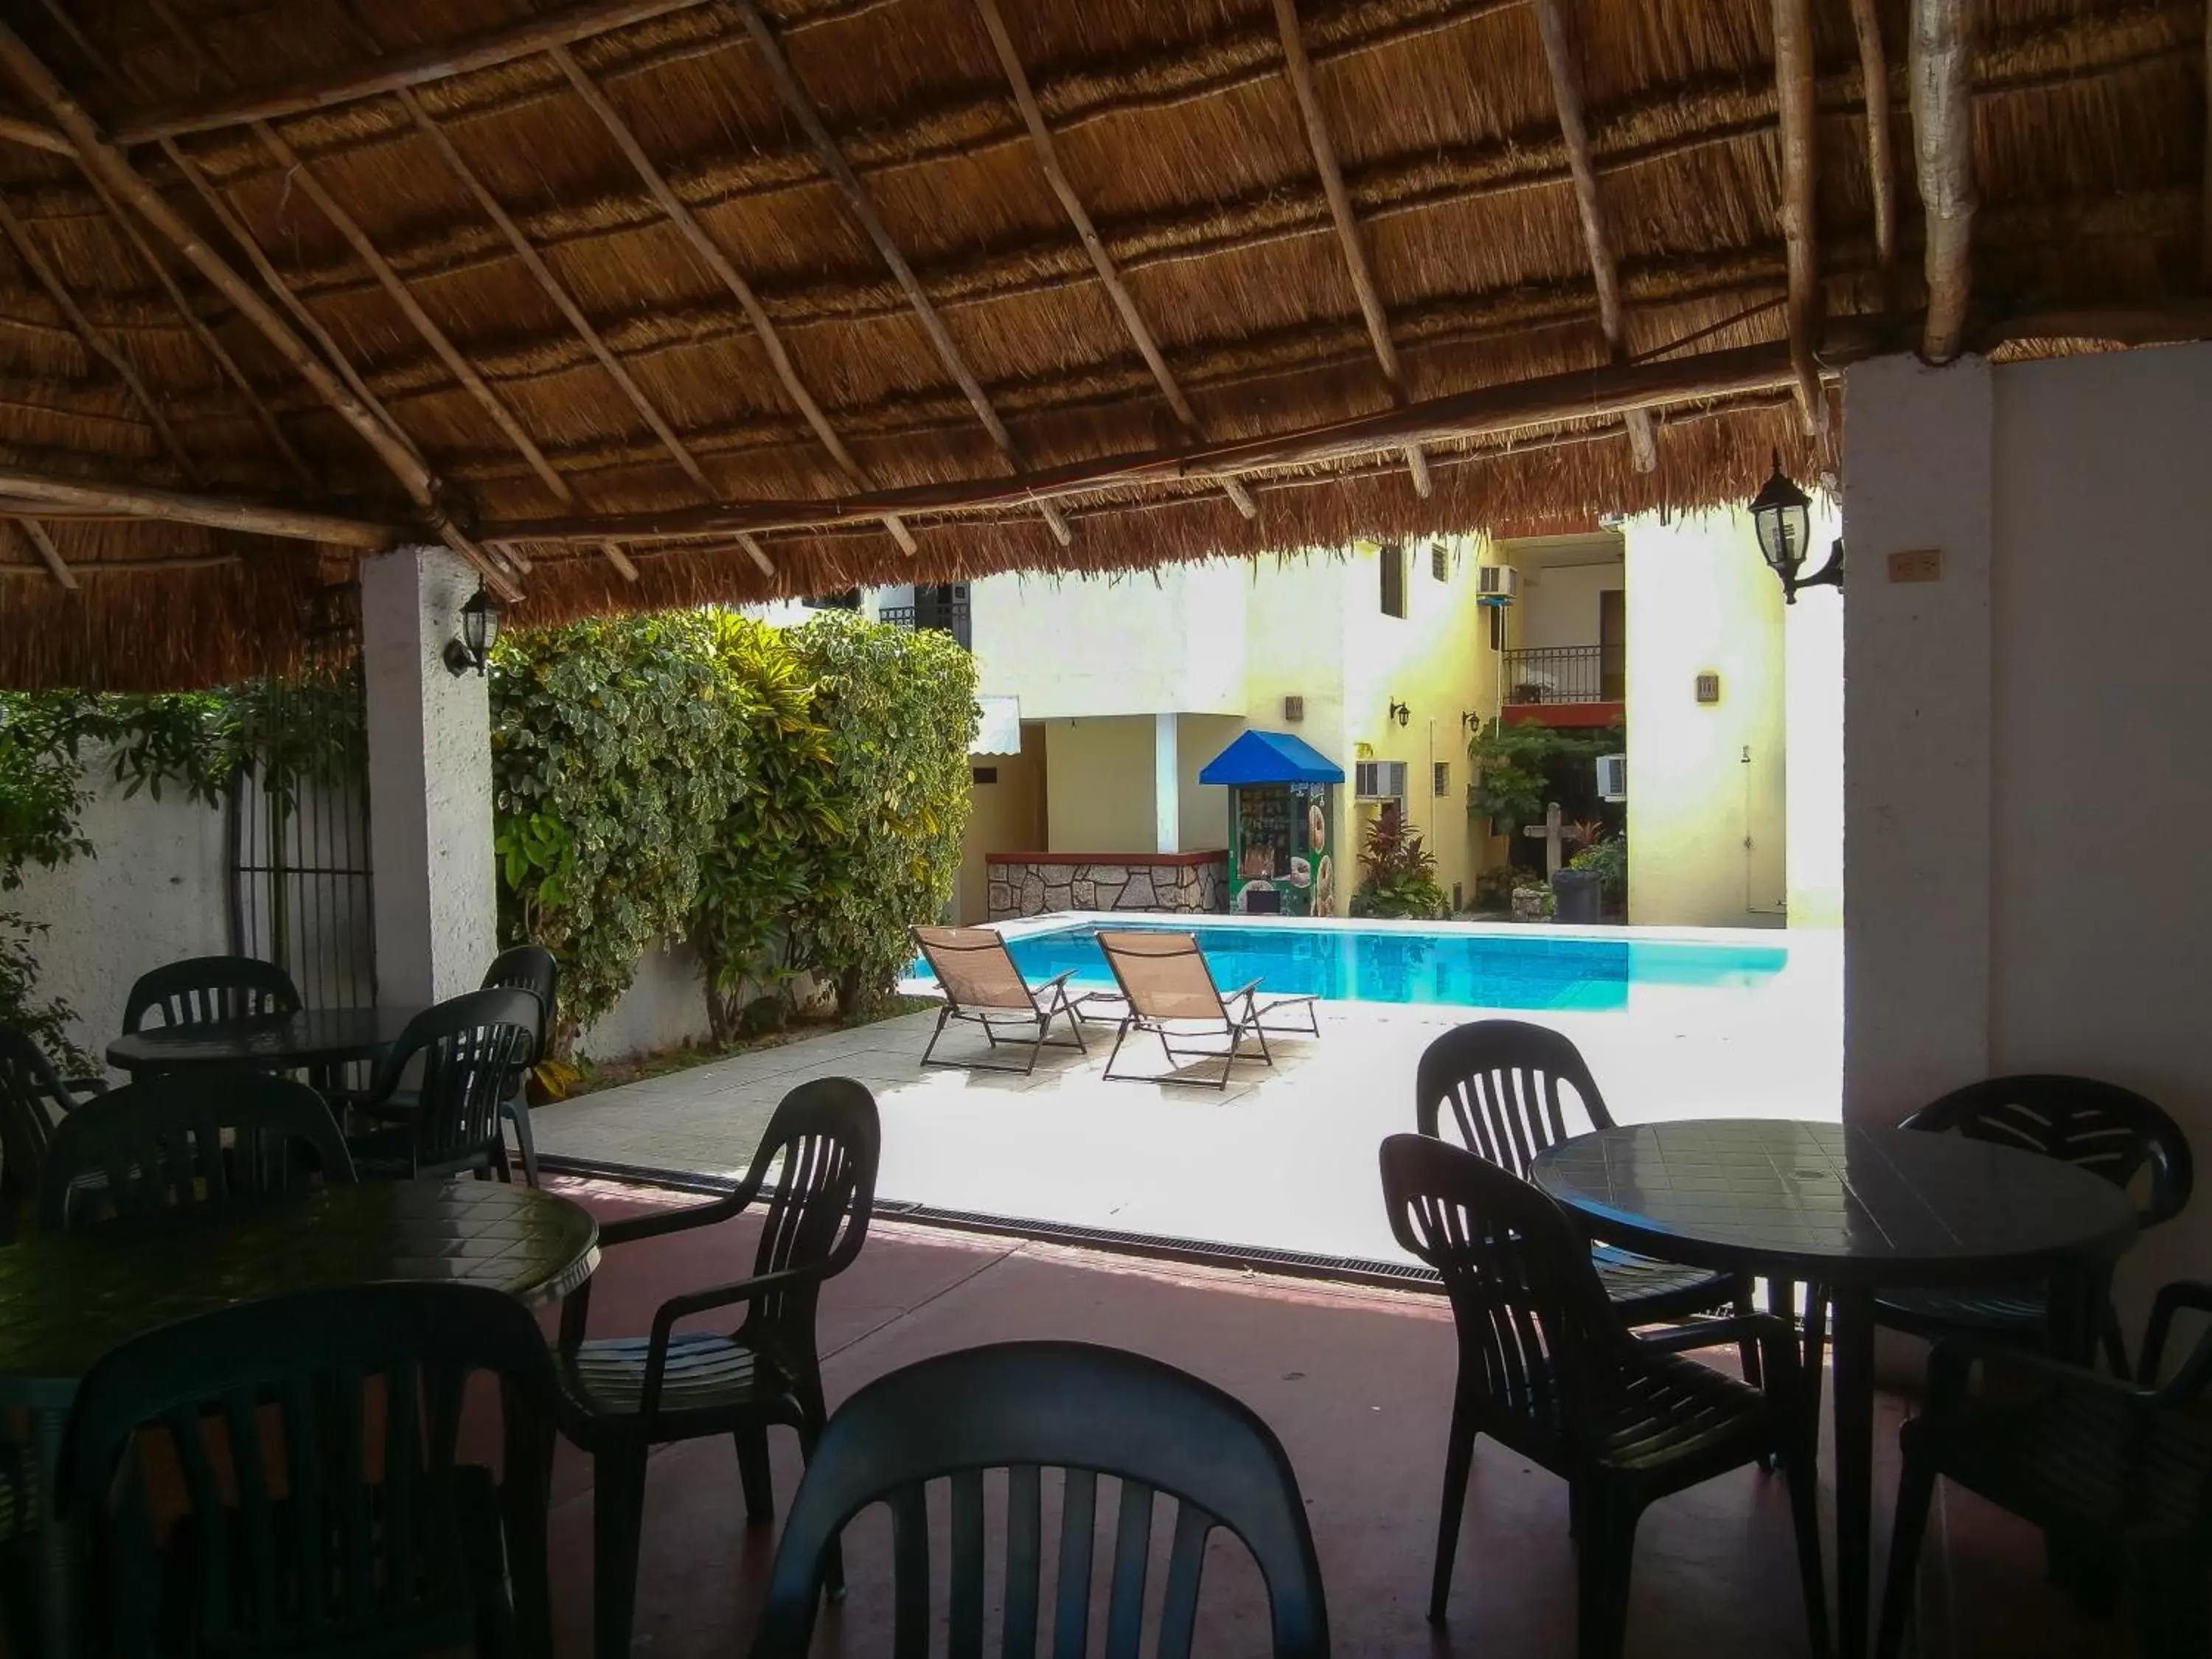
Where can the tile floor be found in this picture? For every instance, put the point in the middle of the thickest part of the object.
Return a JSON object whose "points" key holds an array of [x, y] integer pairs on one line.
{"points": [[1356, 1383], [1282, 1157]]}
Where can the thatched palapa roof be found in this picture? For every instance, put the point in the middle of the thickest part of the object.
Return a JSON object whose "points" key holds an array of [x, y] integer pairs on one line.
{"points": [[640, 302]]}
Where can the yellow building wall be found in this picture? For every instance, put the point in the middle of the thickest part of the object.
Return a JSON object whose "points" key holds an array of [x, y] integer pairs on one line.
{"points": [[1708, 784], [1098, 785], [1004, 817], [1202, 809]]}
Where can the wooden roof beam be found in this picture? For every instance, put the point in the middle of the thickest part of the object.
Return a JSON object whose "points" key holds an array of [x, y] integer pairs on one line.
{"points": [[1939, 71], [1125, 303], [840, 172], [558, 26], [100, 156], [72, 497], [1573, 129], [95, 338], [717, 263], [1299, 69], [49, 554], [1882, 166], [426, 328], [263, 415], [1487, 411], [1794, 98]]}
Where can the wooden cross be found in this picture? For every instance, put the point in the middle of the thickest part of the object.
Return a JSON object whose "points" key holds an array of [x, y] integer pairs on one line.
{"points": [[1553, 832]]}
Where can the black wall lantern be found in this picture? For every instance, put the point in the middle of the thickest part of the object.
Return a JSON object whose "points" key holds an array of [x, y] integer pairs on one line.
{"points": [[479, 632], [1783, 516], [1400, 712]]}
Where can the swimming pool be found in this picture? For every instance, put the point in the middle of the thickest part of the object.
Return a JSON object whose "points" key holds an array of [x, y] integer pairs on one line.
{"points": [[1461, 968]]}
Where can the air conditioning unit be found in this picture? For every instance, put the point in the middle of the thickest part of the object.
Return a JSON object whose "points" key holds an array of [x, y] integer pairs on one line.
{"points": [[1497, 584], [1379, 779], [1612, 777], [1294, 710]]}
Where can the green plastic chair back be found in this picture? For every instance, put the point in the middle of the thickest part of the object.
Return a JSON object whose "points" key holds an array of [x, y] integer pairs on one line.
{"points": [[325, 1507], [210, 991], [188, 1141]]}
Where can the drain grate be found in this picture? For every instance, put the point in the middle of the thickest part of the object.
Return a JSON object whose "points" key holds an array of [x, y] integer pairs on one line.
{"points": [[1210, 1253]]}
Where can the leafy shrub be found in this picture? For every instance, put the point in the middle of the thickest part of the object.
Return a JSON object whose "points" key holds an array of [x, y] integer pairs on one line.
{"points": [[1609, 858], [1398, 874], [899, 707], [1513, 768], [616, 749]]}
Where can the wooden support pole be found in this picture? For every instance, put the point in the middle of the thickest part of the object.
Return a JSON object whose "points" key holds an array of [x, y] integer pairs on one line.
{"points": [[863, 206], [1298, 68], [1793, 85], [94, 337], [1567, 94], [217, 512], [711, 255], [49, 554], [99, 156], [1882, 166], [1939, 72], [1125, 304]]}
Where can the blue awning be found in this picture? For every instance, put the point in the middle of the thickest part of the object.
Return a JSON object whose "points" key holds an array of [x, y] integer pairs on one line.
{"points": [[1271, 757]]}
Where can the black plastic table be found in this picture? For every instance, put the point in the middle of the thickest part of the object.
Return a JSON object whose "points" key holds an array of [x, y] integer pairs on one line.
{"points": [[1855, 1211], [67, 1299], [313, 1038]]}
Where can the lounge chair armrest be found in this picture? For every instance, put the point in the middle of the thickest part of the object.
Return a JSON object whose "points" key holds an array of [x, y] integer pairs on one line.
{"points": [[1057, 979], [85, 1085], [1247, 992]]}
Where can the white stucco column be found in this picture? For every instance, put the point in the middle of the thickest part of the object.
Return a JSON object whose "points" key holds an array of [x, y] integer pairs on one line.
{"points": [[1917, 733], [1167, 787], [430, 780]]}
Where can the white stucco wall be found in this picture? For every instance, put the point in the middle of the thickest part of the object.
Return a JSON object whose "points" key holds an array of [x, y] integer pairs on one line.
{"points": [[1559, 595], [1813, 648], [1140, 642], [154, 892], [666, 1007], [2022, 738], [1707, 782]]}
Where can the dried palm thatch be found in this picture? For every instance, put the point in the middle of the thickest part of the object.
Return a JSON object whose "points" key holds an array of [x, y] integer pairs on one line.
{"points": [[644, 303]]}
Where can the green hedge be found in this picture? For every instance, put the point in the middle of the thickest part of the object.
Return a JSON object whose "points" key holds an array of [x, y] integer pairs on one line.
{"points": [[788, 799]]}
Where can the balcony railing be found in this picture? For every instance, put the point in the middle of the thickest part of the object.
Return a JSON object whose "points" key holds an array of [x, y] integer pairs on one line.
{"points": [[946, 613], [1566, 673]]}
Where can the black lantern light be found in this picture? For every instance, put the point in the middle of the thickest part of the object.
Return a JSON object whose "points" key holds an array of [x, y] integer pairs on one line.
{"points": [[1400, 712], [1783, 516], [479, 632]]}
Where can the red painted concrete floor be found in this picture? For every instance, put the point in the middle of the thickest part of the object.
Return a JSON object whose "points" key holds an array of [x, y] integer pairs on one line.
{"points": [[1356, 1383]]}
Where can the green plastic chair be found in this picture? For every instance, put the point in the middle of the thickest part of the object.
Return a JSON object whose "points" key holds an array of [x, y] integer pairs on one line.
{"points": [[1080, 1410], [209, 991], [449, 1122], [619, 1399], [534, 968], [187, 1142], [34, 1098], [295, 1539]]}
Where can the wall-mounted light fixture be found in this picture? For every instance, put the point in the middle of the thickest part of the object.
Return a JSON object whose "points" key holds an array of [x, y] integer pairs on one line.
{"points": [[480, 619], [1471, 720], [1783, 516], [1400, 712]]}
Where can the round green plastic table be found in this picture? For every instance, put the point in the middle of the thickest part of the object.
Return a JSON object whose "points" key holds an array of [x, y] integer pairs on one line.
{"points": [[67, 1299]]}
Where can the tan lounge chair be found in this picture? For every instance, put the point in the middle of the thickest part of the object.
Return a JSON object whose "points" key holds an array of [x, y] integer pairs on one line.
{"points": [[982, 984], [1171, 993]]}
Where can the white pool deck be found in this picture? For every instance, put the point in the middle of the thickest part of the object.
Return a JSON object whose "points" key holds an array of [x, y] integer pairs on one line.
{"points": [[1283, 1158]]}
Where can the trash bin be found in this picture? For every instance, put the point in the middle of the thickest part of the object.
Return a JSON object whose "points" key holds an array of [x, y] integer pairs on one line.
{"points": [[1578, 892]]}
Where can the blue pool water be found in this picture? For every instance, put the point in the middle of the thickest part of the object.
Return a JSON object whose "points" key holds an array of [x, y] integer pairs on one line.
{"points": [[1472, 970]]}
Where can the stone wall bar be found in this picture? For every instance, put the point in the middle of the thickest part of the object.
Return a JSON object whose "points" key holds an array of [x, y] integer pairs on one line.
{"points": [[1175, 884]]}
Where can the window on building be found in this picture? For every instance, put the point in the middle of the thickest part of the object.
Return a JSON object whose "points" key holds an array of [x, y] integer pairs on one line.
{"points": [[1440, 778], [1497, 615], [847, 600], [1439, 561], [1393, 561]]}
